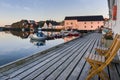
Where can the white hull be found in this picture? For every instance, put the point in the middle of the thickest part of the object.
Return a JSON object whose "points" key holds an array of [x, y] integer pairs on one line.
{"points": [[34, 37]]}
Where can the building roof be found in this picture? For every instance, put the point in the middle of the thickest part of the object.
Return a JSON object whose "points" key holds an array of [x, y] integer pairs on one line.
{"points": [[85, 18]]}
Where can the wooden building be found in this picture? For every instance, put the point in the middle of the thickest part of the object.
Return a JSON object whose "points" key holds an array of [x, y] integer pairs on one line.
{"points": [[84, 22]]}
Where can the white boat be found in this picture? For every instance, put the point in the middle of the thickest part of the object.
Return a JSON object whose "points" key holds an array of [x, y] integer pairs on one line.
{"points": [[69, 33], [39, 35], [64, 33]]}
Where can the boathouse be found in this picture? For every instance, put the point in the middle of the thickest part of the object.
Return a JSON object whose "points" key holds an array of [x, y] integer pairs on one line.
{"points": [[84, 22]]}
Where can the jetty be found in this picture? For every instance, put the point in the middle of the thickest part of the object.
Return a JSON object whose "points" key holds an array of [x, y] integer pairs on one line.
{"points": [[63, 62]]}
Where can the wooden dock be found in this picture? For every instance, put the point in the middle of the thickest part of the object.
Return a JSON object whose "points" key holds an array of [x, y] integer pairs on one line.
{"points": [[65, 62]]}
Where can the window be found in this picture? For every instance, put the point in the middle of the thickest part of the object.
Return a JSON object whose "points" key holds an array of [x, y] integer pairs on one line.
{"points": [[98, 22], [91, 26], [91, 22], [66, 23], [84, 22], [84, 26], [71, 23], [98, 26]]}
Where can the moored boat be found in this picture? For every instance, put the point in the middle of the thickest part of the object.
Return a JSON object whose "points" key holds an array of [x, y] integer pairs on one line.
{"points": [[38, 36], [70, 33]]}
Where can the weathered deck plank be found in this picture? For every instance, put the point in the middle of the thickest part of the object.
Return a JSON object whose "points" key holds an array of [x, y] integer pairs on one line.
{"points": [[114, 75], [41, 59], [82, 53], [69, 54], [68, 69], [85, 69], [59, 52], [118, 68], [66, 62]]}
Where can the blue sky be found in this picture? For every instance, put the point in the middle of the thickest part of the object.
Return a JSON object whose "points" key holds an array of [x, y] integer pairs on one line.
{"points": [[15, 10]]}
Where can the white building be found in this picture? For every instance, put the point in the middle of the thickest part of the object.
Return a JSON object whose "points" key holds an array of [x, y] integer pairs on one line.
{"points": [[114, 14], [45, 26]]}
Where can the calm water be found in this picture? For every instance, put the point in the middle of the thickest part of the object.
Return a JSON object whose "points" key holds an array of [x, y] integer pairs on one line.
{"points": [[16, 45]]}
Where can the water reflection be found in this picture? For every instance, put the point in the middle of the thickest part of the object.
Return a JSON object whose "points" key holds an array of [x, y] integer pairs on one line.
{"points": [[37, 42], [39, 38], [17, 44], [69, 38], [21, 34]]}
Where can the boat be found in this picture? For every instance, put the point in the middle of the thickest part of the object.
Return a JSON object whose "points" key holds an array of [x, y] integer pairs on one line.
{"points": [[69, 33], [64, 33], [39, 35], [73, 33]]}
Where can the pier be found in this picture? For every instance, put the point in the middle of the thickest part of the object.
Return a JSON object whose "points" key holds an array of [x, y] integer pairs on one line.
{"points": [[62, 62]]}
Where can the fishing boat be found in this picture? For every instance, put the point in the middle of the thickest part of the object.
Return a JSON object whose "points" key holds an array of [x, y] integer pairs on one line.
{"points": [[39, 35], [69, 33]]}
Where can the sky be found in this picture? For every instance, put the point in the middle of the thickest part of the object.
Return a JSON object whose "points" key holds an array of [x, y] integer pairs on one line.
{"points": [[15, 10]]}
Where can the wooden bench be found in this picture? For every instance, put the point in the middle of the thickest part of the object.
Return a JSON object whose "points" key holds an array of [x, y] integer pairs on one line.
{"points": [[98, 62]]}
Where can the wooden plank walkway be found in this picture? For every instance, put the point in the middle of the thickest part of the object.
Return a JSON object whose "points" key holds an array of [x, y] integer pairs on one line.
{"points": [[66, 62]]}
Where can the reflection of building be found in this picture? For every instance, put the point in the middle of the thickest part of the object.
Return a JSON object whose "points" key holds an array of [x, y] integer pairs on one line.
{"points": [[84, 22], [23, 35], [69, 38], [1, 28], [59, 27]]}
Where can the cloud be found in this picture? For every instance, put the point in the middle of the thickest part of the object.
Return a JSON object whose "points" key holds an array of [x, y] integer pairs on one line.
{"points": [[27, 8], [6, 5]]}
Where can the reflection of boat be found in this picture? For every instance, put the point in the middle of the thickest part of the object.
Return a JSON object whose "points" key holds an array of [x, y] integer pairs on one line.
{"points": [[50, 37], [69, 33], [39, 30], [57, 35], [37, 43], [23, 29]]}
